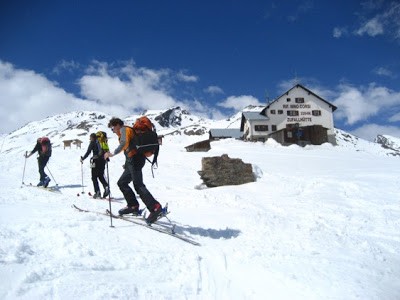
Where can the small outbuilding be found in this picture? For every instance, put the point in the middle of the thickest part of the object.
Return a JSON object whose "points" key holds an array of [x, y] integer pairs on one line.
{"points": [[202, 146], [67, 143], [225, 133]]}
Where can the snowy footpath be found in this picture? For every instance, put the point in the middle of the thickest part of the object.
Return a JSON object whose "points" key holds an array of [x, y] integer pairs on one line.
{"points": [[319, 223]]}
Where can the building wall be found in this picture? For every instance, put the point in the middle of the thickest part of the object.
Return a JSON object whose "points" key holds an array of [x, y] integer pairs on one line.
{"points": [[310, 112], [305, 116], [305, 110], [251, 133]]}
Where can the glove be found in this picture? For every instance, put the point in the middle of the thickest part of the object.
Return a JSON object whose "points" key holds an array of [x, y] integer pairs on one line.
{"points": [[108, 154]]}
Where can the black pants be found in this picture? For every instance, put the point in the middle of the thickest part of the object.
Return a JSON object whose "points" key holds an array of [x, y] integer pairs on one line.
{"points": [[98, 174], [42, 162], [133, 173]]}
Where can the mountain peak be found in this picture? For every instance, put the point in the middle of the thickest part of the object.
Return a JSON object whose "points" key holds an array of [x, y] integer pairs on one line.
{"points": [[171, 117]]}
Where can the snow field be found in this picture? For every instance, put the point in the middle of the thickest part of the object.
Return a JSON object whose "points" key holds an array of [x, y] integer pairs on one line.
{"points": [[319, 223]]}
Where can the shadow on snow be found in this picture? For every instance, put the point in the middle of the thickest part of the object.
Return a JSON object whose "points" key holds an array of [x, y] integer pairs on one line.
{"points": [[227, 233]]}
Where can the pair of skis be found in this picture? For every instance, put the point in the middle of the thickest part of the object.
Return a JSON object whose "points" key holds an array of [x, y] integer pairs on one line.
{"points": [[53, 189], [139, 220], [107, 198]]}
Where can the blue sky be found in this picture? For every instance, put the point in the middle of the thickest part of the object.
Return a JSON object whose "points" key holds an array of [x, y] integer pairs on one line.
{"points": [[211, 57]]}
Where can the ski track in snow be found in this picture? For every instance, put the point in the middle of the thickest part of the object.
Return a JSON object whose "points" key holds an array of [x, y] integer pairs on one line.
{"points": [[319, 223]]}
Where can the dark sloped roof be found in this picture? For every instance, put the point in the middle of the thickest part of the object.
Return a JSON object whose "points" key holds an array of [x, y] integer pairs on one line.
{"points": [[226, 132], [306, 89], [253, 116]]}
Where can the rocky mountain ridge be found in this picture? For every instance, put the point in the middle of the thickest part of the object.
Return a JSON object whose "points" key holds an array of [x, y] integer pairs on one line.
{"points": [[389, 142], [171, 122], [349, 141]]}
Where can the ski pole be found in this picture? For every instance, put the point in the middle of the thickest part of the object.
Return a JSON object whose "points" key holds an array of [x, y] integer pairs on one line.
{"points": [[83, 189], [23, 174], [51, 175], [109, 193]]}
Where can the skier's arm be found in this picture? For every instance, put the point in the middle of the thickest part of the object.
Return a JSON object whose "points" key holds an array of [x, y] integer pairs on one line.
{"points": [[123, 142], [33, 151], [90, 148]]}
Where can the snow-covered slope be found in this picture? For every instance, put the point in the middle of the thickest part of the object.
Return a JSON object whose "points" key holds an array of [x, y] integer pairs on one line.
{"points": [[320, 222], [389, 142], [388, 146], [174, 121], [74, 125]]}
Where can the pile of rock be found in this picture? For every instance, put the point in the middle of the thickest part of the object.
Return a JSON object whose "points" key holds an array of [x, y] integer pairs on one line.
{"points": [[222, 170]]}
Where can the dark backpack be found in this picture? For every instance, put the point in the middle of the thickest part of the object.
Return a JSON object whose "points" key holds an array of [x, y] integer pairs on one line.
{"points": [[145, 139], [46, 146]]}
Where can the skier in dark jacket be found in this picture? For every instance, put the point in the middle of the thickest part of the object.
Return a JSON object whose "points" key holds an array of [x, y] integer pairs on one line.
{"points": [[97, 163], [43, 147]]}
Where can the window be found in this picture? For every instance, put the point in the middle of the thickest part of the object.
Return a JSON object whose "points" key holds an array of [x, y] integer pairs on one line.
{"points": [[280, 112], [299, 100], [273, 111], [316, 113], [261, 127], [287, 99], [292, 113], [273, 127]]}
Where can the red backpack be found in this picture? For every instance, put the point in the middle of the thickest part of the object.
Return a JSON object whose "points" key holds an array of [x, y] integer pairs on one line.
{"points": [[143, 124], [46, 146], [146, 139]]}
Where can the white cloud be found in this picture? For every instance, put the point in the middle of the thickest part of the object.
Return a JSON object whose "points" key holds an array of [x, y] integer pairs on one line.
{"points": [[381, 71], [380, 17], [126, 85], [303, 8], [310, 83], [370, 131], [187, 78], [26, 96], [395, 118], [358, 104], [213, 90], [372, 28], [391, 18], [238, 102], [376, 17], [338, 32], [64, 65], [355, 104], [203, 110], [119, 89], [286, 85]]}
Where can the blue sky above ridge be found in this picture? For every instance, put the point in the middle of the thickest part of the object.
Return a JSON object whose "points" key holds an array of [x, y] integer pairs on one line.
{"points": [[212, 58]]}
